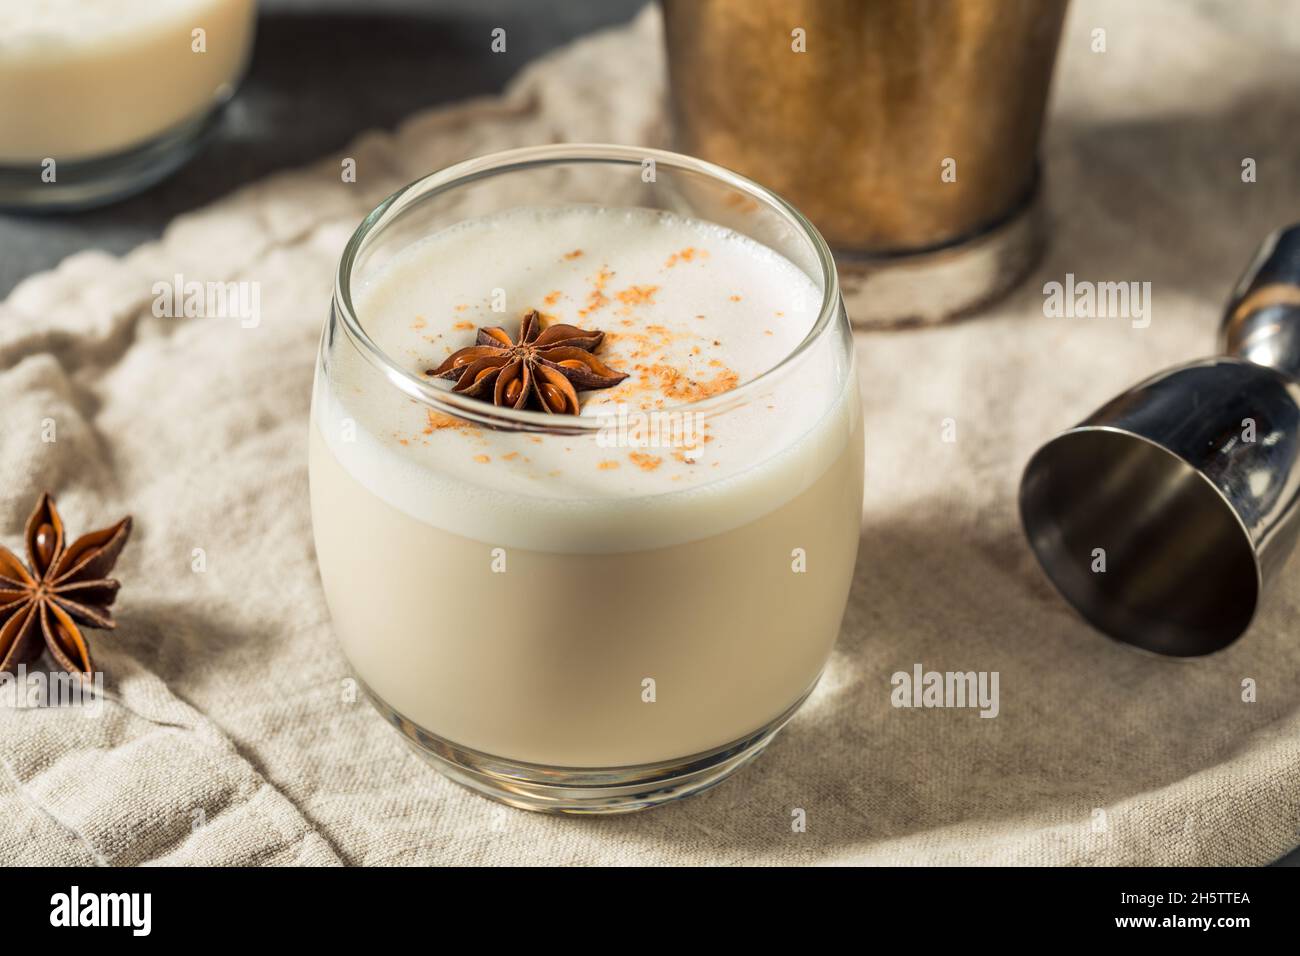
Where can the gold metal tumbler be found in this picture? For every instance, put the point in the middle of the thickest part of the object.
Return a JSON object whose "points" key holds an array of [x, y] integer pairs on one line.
{"points": [[906, 130]]}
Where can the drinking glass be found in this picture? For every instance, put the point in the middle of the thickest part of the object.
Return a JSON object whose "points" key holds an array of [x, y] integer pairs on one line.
{"points": [[99, 101], [563, 650]]}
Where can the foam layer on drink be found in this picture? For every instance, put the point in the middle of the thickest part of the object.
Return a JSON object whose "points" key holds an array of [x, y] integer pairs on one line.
{"points": [[691, 310], [86, 78]]}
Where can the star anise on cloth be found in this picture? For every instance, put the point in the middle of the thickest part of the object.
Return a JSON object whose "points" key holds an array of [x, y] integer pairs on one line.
{"points": [[59, 588], [544, 370]]}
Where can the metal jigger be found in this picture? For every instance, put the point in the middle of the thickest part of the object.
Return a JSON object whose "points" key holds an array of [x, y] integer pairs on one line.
{"points": [[1165, 515]]}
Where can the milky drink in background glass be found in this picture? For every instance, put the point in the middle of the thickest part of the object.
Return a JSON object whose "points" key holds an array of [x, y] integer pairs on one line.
{"points": [[591, 620], [87, 80]]}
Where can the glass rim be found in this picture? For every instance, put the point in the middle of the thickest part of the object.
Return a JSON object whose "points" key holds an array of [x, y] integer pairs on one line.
{"points": [[530, 157]]}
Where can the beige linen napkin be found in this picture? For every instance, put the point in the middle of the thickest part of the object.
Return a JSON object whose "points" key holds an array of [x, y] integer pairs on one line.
{"points": [[229, 737]]}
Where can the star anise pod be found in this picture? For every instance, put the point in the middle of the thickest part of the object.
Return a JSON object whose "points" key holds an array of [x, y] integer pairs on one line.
{"points": [[545, 369], [64, 586]]}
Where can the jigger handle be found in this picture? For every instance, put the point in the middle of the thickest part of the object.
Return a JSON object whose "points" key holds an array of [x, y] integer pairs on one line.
{"points": [[1261, 322]]}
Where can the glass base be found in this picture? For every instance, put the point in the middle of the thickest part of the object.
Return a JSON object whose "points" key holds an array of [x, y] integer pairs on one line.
{"points": [[88, 183], [580, 790]]}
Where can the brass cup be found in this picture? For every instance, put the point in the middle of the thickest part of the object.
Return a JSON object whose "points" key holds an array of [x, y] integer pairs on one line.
{"points": [[907, 132]]}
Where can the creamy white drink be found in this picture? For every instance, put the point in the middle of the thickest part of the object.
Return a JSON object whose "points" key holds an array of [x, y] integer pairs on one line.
{"points": [[81, 79], [595, 600]]}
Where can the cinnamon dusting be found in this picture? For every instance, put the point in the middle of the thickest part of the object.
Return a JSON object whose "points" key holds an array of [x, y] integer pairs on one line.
{"points": [[678, 386], [597, 299], [437, 421], [644, 461], [637, 295], [684, 255]]}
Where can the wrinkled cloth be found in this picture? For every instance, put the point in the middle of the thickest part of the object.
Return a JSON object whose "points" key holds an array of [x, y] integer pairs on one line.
{"points": [[229, 734]]}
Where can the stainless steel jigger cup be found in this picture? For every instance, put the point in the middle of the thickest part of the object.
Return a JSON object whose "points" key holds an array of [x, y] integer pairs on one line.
{"points": [[1165, 515]]}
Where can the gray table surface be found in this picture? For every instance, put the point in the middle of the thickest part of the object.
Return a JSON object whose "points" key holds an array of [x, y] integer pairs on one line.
{"points": [[324, 70]]}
